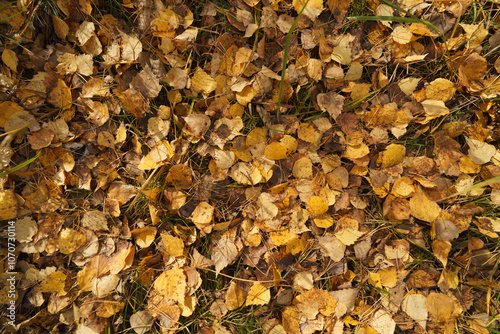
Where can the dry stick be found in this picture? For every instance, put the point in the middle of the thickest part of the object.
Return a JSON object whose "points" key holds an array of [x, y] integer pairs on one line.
{"points": [[285, 57]]}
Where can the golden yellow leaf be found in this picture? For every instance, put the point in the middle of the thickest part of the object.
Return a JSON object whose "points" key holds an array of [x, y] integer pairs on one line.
{"points": [[180, 176], [108, 308], [441, 249], [401, 35], [172, 284], [442, 307], [308, 133], [157, 156], [60, 95], [8, 204], [317, 206], [54, 283], [403, 187], [290, 320], [9, 58], [302, 168], [440, 89], [388, 277], [423, 208], [356, 151], [323, 221], [201, 82], [235, 296], [70, 240], [275, 151], [282, 237], [202, 217], [144, 236], [173, 245], [298, 245], [256, 136], [131, 47], [348, 236], [258, 295], [393, 155], [312, 7], [375, 280]]}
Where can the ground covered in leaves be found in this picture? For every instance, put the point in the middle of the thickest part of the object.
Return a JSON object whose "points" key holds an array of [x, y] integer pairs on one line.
{"points": [[250, 166]]}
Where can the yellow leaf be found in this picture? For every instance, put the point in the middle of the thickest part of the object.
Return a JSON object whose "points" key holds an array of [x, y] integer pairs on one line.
{"points": [[323, 221], [9, 58], [235, 296], [282, 237], [312, 7], [158, 155], [144, 236], [392, 155], [308, 133], [302, 168], [172, 284], [180, 176], [107, 308], [8, 204], [275, 151], [348, 236], [401, 35], [201, 82], [442, 307], [258, 295], [202, 217], [375, 280], [423, 208], [441, 249], [388, 277], [54, 283], [173, 245], [317, 206], [440, 89], [70, 240]]}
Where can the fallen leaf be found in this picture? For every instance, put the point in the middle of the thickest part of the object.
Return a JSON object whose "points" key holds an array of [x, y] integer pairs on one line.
{"points": [[141, 322], [423, 208], [415, 305], [95, 221], [8, 205], [226, 250], [258, 295], [70, 240], [173, 245], [480, 152], [144, 236], [382, 322], [441, 307], [202, 217], [54, 283], [172, 284]]}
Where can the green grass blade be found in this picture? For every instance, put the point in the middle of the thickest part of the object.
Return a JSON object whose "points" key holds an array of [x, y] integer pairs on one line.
{"points": [[285, 57], [411, 19], [21, 165]]}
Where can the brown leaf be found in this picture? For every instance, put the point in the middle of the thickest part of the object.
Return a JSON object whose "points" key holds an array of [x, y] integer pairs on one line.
{"points": [[332, 103], [226, 250], [180, 176], [442, 307]]}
